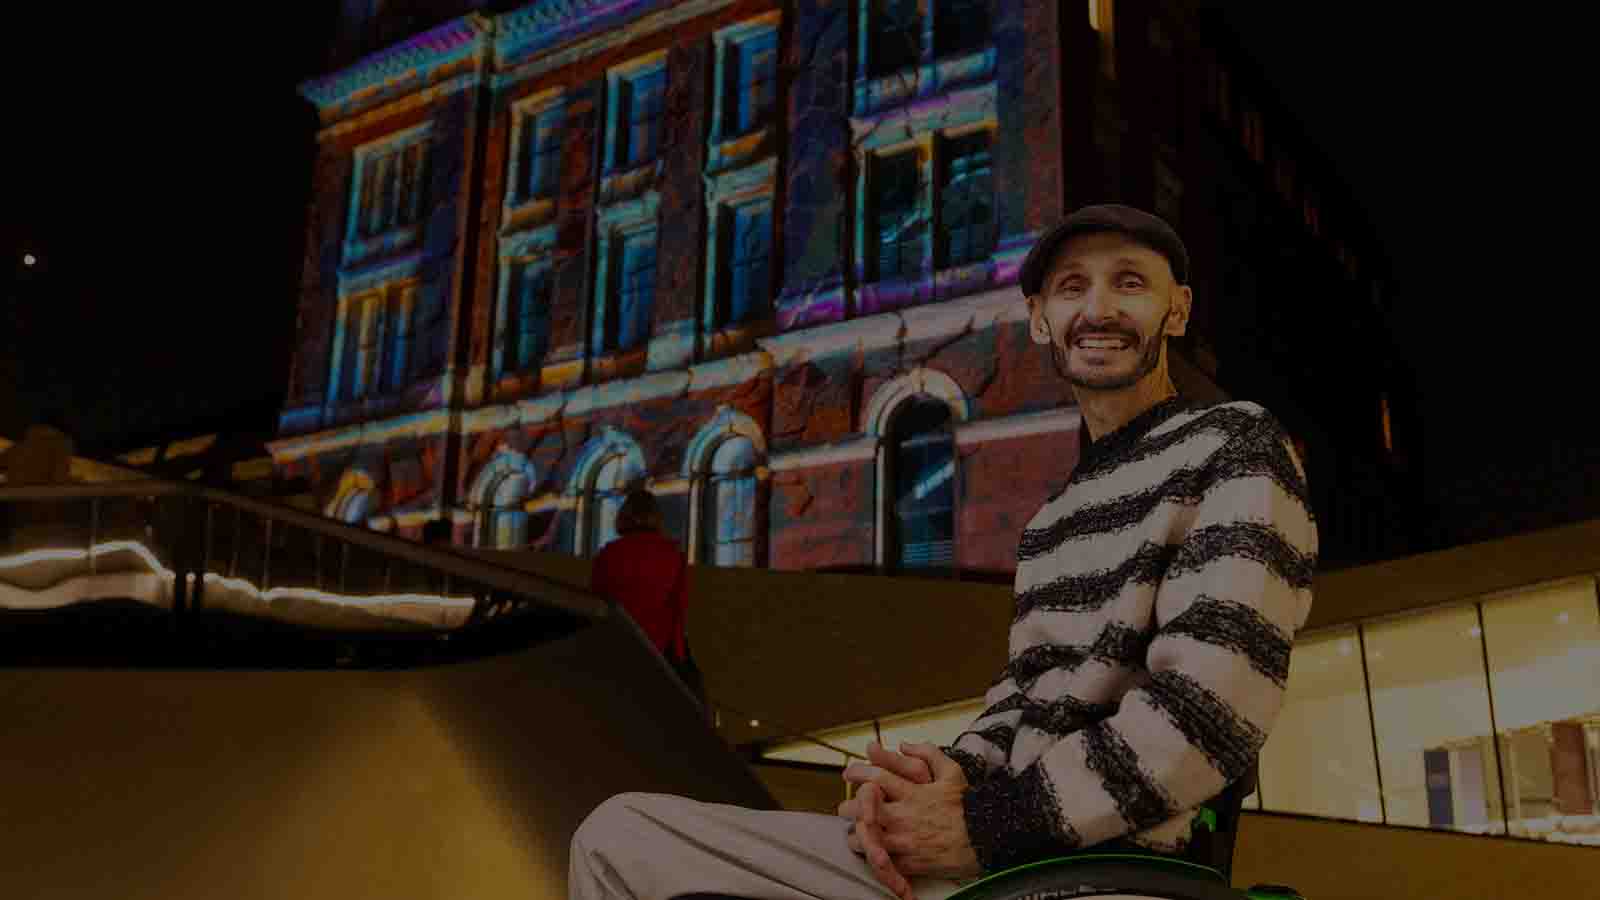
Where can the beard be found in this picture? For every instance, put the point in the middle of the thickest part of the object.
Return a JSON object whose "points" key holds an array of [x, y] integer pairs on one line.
{"points": [[1149, 357]]}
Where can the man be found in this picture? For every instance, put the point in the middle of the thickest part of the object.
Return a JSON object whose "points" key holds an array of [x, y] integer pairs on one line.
{"points": [[1157, 595]]}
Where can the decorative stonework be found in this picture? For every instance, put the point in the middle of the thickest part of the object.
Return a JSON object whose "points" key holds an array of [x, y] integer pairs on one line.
{"points": [[405, 67]]}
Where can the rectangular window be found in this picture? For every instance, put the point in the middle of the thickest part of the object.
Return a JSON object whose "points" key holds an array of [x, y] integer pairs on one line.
{"points": [[1430, 702], [368, 315], [402, 330], [541, 154], [640, 99], [1318, 760], [525, 328], [752, 83], [628, 321], [393, 190], [966, 201], [896, 35], [749, 273], [898, 215]]}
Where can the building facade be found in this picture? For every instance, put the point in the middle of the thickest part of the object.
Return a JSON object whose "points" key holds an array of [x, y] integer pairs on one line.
{"points": [[762, 258]]}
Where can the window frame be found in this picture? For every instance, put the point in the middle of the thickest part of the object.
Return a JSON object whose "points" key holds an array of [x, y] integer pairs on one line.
{"points": [[530, 115], [372, 164], [620, 108]]}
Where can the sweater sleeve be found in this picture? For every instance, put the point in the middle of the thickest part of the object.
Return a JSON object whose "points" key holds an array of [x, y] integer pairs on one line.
{"points": [[983, 748], [1226, 611]]}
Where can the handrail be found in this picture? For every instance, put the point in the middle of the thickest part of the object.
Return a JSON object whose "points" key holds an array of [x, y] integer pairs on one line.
{"points": [[456, 565]]}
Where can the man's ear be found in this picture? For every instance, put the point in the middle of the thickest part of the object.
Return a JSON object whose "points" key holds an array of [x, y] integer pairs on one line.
{"points": [[1182, 303], [1038, 328]]}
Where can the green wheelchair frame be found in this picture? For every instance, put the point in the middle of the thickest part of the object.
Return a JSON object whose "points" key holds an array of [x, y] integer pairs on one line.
{"points": [[1105, 872]]}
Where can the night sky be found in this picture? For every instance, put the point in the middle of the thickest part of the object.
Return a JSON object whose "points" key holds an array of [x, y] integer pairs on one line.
{"points": [[161, 176]]}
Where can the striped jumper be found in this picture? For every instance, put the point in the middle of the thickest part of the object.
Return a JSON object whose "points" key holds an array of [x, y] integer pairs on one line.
{"points": [[1157, 595]]}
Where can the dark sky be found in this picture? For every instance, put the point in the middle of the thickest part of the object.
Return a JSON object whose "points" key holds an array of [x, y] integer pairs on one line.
{"points": [[162, 177]]}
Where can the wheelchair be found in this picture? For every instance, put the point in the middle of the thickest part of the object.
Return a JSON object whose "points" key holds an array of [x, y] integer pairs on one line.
{"points": [[1119, 871]]}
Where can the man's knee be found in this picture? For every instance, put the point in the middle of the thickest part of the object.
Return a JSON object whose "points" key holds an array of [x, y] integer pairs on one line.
{"points": [[612, 817]]}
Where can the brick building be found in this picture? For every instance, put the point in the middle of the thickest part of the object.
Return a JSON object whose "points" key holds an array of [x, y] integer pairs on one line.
{"points": [[763, 258]]}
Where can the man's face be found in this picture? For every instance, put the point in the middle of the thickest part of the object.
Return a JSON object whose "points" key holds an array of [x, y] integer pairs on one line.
{"points": [[1106, 307]]}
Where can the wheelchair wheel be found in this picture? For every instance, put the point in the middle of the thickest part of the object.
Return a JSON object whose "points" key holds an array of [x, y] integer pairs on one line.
{"points": [[1110, 876]]}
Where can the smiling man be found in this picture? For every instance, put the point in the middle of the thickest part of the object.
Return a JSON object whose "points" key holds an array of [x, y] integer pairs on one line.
{"points": [[1157, 596]]}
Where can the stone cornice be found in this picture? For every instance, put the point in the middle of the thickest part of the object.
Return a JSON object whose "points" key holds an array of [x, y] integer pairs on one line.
{"points": [[544, 24], [395, 71]]}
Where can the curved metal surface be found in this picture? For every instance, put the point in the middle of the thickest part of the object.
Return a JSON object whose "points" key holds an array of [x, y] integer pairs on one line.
{"points": [[462, 780]]}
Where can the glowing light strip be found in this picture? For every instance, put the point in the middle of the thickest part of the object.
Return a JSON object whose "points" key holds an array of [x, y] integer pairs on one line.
{"points": [[233, 584]]}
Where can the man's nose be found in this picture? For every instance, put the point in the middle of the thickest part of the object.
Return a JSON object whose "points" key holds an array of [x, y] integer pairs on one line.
{"points": [[1099, 305]]}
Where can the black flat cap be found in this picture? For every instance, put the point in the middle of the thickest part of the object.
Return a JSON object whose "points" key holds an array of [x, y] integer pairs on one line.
{"points": [[1151, 231]]}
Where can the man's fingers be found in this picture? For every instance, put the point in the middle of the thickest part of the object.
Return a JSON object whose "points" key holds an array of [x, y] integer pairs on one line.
{"points": [[877, 857], [942, 766], [850, 809], [907, 767]]}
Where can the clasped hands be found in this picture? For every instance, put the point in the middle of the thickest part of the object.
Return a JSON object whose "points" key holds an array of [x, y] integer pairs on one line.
{"points": [[908, 818]]}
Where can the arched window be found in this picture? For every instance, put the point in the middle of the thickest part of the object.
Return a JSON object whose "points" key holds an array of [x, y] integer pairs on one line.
{"points": [[505, 521], [920, 469], [728, 519], [613, 477]]}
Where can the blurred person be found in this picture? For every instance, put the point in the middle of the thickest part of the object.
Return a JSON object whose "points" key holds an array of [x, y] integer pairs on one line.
{"points": [[645, 573], [1157, 595]]}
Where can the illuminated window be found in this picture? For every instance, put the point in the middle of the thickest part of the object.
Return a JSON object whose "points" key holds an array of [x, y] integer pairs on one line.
{"points": [[638, 96], [1313, 214], [899, 217], [966, 229], [606, 490], [374, 351], [1102, 19], [922, 469], [899, 32], [1430, 703], [630, 298], [538, 157], [523, 325], [1543, 647], [748, 281], [391, 177], [1318, 760], [751, 70], [505, 517], [728, 524], [402, 309]]}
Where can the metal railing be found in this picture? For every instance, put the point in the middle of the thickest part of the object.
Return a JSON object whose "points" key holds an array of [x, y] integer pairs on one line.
{"points": [[174, 572]]}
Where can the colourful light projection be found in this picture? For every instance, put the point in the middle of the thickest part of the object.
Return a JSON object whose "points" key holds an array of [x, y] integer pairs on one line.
{"points": [[649, 215]]}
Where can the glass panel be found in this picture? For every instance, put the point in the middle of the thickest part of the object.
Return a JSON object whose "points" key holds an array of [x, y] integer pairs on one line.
{"points": [[897, 197], [750, 277], [638, 289], [967, 201], [1544, 672], [542, 143], [896, 35], [1318, 760], [644, 95], [924, 484], [757, 64], [1430, 702]]}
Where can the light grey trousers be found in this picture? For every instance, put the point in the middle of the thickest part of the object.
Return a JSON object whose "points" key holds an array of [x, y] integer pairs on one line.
{"points": [[657, 846]]}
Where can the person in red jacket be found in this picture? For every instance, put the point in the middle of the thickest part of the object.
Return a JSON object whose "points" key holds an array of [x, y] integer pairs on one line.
{"points": [[645, 573]]}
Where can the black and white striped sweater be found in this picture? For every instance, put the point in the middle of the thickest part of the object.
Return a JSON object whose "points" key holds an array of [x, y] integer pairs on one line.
{"points": [[1157, 595]]}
